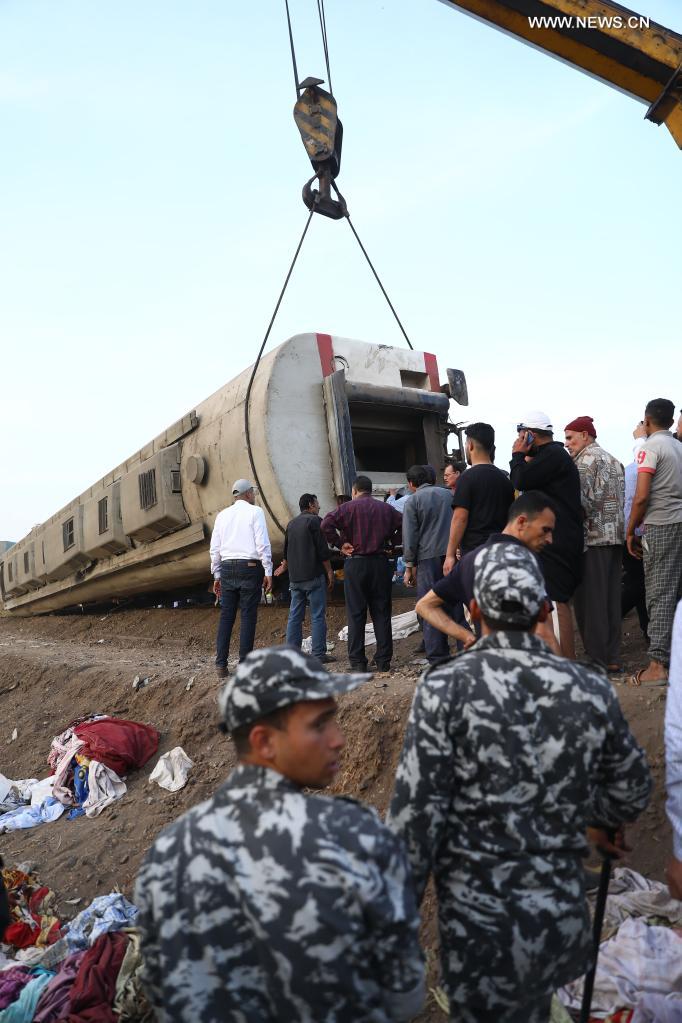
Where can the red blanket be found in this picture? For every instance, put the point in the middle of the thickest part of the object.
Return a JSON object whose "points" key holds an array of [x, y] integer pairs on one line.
{"points": [[119, 745]]}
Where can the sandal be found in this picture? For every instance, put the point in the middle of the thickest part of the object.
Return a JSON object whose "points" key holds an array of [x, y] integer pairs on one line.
{"points": [[645, 683]]}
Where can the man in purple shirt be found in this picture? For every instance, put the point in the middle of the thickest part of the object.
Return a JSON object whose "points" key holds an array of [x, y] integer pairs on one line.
{"points": [[362, 529]]}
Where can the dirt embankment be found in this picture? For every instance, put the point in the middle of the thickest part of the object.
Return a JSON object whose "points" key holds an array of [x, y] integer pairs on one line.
{"points": [[56, 668]]}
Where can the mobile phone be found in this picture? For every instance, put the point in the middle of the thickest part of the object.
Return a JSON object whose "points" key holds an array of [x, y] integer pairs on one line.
{"points": [[530, 438]]}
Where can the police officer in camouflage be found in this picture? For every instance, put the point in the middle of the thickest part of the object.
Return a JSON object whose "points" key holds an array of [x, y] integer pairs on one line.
{"points": [[267, 902], [511, 753]]}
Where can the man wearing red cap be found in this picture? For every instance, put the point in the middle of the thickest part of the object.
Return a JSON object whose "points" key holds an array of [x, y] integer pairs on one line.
{"points": [[597, 600]]}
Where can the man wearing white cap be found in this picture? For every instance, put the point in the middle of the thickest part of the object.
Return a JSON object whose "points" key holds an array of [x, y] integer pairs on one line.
{"points": [[241, 563], [539, 462]]}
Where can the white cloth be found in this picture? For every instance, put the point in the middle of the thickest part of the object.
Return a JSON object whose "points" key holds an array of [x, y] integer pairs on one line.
{"points": [[639, 960], [172, 769], [104, 787], [401, 626], [240, 533], [631, 894], [673, 736], [30, 816], [14, 793], [42, 790], [658, 1009]]}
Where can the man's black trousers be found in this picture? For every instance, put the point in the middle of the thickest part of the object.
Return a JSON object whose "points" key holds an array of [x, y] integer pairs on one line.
{"points": [[367, 584]]}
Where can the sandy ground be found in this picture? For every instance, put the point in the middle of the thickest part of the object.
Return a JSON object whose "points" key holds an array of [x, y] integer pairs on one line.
{"points": [[58, 667]]}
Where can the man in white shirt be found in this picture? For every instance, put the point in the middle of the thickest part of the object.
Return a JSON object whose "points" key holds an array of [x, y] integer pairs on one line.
{"points": [[241, 563], [657, 505]]}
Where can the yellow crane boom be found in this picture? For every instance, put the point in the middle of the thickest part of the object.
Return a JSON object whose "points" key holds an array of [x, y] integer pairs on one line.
{"points": [[604, 39]]}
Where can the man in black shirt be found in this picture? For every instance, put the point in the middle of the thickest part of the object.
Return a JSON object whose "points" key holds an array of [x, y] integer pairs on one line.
{"points": [[481, 501], [307, 558], [530, 523], [539, 462]]}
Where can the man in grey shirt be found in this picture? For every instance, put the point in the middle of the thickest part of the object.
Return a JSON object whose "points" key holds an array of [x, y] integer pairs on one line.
{"points": [[426, 529], [657, 505]]}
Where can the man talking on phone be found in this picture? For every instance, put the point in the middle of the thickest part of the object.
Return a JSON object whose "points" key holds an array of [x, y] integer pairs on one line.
{"points": [[539, 462]]}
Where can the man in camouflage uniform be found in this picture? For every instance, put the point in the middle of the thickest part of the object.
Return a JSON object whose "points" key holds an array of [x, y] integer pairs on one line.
{"points": [[266, 903], [510, 753]]}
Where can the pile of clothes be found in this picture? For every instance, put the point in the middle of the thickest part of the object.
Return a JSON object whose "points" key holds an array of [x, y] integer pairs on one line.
{"points": [[81, 971], [639, 970], [89, 761]]}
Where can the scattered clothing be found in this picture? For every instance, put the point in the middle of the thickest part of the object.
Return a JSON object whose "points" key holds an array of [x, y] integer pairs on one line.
{"points": [[30, 816], [56, 996], [104, 788], [94, 988], [11, 983], [486, 493], [130, 1003], [306, 898], [172, 770], [631, 894], [104, 914], [638, 960], [118, 744], [23, 1009], [653, 1008], [402, 626]]}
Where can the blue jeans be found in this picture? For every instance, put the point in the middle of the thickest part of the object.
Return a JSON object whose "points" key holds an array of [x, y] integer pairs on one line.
{"points": [[313, 591], [241, 583]]}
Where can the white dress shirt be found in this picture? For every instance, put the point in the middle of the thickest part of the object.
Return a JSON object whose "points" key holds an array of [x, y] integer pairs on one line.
{"points": [[240, 533], [673, 736]]}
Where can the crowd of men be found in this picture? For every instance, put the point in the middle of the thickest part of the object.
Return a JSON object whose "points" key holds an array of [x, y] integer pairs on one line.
{"points": [[271, 901]]}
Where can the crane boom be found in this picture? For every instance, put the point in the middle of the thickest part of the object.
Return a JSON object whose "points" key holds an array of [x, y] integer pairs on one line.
{"points": [[602, 38]]}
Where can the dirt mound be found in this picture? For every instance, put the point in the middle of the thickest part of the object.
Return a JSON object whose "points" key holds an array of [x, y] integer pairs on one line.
{"points": [[57, 668]]}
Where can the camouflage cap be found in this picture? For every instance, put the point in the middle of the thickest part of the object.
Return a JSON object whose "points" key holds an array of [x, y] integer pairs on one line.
{"points": [[276, 677], [508, 584]]}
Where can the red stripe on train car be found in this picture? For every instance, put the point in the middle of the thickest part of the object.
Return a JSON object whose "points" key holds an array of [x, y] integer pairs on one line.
{"points": [[431, 367], [324, 347]]}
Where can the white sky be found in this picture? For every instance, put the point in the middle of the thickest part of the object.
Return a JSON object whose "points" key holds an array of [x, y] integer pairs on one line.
{"points": [[524, 217]]}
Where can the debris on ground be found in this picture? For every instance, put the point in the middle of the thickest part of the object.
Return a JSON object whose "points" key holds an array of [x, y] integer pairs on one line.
{"points": [[639, 968], [88, 968], [172, 770]]}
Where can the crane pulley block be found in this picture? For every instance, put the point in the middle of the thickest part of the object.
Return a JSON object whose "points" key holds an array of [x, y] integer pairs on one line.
{"points": [[322, 134]]}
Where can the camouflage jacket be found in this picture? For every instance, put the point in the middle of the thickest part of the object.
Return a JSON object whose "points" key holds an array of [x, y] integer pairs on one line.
{"points": [[267, 904], [602, 492], [510, 752]]}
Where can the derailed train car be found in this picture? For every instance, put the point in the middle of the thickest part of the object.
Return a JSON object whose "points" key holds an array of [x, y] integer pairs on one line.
{"points": [[321, 410]]}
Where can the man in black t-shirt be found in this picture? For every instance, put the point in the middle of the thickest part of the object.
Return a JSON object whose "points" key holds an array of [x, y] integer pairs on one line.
{"points": [[481, 501], [531, 523]]}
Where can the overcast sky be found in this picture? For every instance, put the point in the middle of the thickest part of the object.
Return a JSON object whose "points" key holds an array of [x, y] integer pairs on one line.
{"points": [[524, 217]]}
